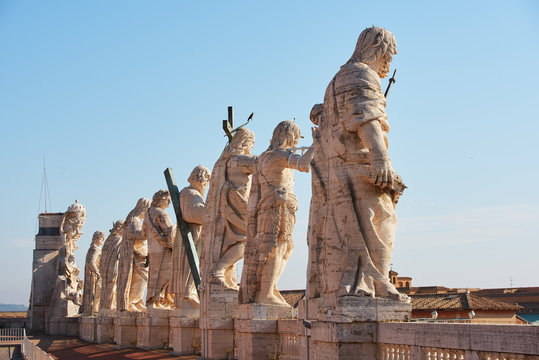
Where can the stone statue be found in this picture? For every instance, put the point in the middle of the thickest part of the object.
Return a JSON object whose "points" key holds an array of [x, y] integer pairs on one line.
{"points": [[192, 207], [72, 224], [317, 213], [92, 277], [272, 216], [362, 187], [109, 265], [133, 276], [160, 233], [67, 295], [225, 222]]}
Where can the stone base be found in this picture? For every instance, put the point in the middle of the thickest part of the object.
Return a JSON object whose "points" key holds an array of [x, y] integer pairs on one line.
{"points": [[64, 326], [266, 312], [184, 335], [153, 329], [218, 331], [104, 329], [257, 339], [342, 341], [87, 329], [353, 308], [125, 328], [220, 339]]}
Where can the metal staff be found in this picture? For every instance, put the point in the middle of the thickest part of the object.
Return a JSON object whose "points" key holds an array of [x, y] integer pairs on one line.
{"points": [[391, 82]]}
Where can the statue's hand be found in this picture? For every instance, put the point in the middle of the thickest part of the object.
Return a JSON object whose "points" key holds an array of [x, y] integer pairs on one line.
{"points": [[381, 173]]}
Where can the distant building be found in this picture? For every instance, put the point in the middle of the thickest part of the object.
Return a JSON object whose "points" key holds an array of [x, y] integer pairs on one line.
{"points": [[400, 282], [526, 297], [463, 306]]}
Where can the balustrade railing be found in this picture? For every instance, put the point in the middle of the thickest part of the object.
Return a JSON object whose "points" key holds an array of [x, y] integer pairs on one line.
{"points": [[12, 336], [28, 349]]}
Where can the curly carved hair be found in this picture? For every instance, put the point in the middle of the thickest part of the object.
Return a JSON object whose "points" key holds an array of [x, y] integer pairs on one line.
{"points": [[159, 196], [284, 135], [373, 43]]}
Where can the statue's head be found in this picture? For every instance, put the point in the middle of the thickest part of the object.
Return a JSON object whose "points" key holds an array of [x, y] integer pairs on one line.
{"points": [[375, 47], [143, 204], [161, 199], [97, 238], [117, 227], [242, 142], [286, 135], [316, 112], [199, 178]]}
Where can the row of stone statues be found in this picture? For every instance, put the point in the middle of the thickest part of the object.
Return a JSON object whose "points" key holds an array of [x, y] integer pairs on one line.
{"points": [[250, 209]]}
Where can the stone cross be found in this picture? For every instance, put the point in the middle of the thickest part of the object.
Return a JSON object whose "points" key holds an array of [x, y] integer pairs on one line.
{"points": [[183, 227]]}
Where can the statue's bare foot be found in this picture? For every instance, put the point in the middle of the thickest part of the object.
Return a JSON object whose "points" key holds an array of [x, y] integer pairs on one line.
{"points": [[388, 290], [271, 300], [218, 278], [193, 300]]}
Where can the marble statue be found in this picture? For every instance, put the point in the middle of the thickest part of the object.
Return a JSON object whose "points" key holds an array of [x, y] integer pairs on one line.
{"points": [[192, 207], [272, 216], [72, 224], [109, 265], [225, 221], [133, 276], [67, 294], [160, 233], [362, 187], [317, 213], [92, 277]]}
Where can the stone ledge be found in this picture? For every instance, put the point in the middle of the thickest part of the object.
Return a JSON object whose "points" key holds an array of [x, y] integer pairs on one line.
{"points": [[266, 312]]}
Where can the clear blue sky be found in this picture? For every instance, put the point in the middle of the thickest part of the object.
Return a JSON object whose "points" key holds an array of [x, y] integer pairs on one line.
{"points": [[113, 92]]}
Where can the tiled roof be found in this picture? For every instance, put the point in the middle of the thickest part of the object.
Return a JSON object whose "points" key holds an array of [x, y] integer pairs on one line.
{"points": [[458, 301], [12, 314], [293, 297]]}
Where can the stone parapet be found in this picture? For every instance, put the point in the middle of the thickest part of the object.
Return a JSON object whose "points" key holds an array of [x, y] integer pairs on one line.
{"points": [[184, 335], [87, 329], [153, 329], [125, 328], [104, 329]]}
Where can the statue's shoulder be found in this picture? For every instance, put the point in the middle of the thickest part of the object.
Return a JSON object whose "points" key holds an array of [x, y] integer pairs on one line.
{"points": [[351, 72]]}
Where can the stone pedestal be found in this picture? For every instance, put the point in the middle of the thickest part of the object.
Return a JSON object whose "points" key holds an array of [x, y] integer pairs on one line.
{"points": [[257, 330], [87, 329], [184, 333], [350, 328], [125, 328], [104, 324], [153, 329], [65, 326], [217, 323]]}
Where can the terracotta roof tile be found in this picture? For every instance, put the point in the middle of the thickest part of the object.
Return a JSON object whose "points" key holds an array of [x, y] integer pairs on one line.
{"points": [[12, 314], [293, 297], [458, 301]]}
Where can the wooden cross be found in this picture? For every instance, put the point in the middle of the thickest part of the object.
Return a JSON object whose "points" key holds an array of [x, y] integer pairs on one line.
{"points": [[183, 227]]}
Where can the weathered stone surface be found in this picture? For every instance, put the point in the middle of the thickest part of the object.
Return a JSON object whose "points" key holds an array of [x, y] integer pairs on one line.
{"points": [[109, 265], [272, 216], [184, 335], [225, 221], [160, 233], [87, 329], [125, 328], [133, 269], [153, 329], [353, 308], [92, 277], [104, 329], [266, 312], [192, 209], [358, 197]]}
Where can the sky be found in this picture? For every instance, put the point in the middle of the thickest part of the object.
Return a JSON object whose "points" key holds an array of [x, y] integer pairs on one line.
{"points": [[111, 93]]}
